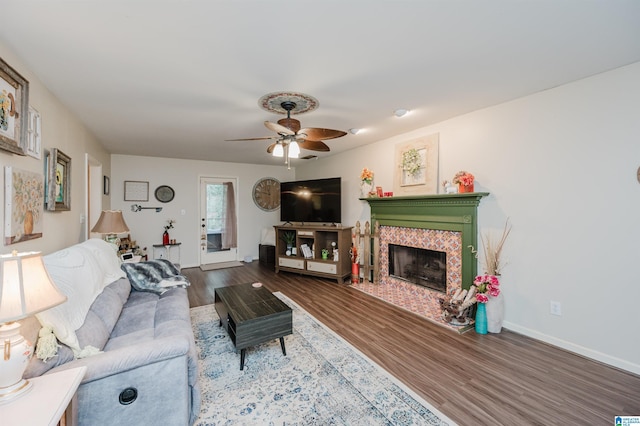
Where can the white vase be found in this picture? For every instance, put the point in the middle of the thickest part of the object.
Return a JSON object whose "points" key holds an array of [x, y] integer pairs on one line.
{"points": [[365, 188], [495, 313]]}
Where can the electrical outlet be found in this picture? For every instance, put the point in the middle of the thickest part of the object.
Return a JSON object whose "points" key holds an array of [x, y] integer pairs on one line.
{"points": [[555, 308]]}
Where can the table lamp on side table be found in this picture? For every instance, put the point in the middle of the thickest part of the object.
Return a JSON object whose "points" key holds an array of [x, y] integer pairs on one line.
{"points": [[25, 289], [110, 223]]}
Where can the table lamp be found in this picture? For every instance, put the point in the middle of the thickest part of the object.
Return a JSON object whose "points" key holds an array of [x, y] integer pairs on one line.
{"points": [[25, 289], [110, 223]]}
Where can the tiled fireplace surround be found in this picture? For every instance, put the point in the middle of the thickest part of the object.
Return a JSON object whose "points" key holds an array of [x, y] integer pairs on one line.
{"points": [[445, 223]]}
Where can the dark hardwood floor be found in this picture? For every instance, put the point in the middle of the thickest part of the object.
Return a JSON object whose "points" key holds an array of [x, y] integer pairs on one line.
{"points": [[494, 379]]}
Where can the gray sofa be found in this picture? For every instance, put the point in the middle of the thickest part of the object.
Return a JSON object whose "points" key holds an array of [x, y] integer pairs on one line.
{"points": [[138, 346]]}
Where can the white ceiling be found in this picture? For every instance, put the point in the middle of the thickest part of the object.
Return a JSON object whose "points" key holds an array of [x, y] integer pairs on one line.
{"points": [[176, 78]]}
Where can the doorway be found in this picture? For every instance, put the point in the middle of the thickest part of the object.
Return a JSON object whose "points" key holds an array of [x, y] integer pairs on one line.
{"points": [[218, 220]]}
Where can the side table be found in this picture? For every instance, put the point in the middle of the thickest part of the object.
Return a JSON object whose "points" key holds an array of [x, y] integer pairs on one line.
{"points": [[167, 249], [46, 402]]}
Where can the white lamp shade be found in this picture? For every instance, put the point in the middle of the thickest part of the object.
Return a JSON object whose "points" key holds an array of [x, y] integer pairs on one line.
{"points": [[278, 151], [110, 222], [25, 287], [294, 150]]}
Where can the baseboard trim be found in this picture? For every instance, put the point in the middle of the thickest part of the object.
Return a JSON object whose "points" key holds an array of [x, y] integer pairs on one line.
{"points": [[577, 349]]}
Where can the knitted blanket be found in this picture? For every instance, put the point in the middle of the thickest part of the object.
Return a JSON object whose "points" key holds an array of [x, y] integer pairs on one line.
{"points": [[156, 276]]}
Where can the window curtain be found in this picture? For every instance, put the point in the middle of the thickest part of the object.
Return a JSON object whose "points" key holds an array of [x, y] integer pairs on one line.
{"points": [[229, 237]]}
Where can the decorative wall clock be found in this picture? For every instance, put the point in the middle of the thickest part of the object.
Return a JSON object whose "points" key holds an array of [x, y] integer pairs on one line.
{"points": [[164, 193], [266, 194]]}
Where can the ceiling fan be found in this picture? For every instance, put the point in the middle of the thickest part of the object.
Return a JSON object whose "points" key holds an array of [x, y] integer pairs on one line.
{"points": [[289, 131]]}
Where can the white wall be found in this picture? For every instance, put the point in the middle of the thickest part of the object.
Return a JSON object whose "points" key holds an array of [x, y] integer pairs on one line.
{"points": [[62, 130], [183, 176], [561, 164]]}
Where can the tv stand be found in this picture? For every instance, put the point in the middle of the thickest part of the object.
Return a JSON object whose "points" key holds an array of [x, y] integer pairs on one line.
{"points": [[316, 237]]}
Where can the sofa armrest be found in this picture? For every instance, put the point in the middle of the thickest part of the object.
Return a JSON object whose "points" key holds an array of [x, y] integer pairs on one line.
{"points": [[128, 358]]}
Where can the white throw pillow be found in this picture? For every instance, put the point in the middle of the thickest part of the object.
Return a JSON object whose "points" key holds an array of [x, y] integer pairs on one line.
{"points": [[77, 273], [107, 256]]}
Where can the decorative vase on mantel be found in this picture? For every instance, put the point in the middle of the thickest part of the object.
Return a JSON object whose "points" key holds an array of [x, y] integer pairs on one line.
{"points": [[465, 188], [165, 238], [365, 188], [481, 318]]}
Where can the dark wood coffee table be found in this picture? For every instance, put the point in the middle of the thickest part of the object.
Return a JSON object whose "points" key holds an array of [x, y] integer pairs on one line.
{"points": [[252, 315]]}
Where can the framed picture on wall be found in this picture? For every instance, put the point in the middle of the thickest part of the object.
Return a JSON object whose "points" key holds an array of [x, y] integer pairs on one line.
{"points": [[24, 199], [58, 181], [14, 110], [416, 166], [135, 190], [106, 185]]}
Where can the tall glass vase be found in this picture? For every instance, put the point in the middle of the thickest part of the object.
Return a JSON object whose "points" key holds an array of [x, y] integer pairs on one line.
{"points": [[481, 318]]}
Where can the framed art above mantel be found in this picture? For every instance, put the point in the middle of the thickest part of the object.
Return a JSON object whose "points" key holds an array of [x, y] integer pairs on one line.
{"points": [[416, 166]]}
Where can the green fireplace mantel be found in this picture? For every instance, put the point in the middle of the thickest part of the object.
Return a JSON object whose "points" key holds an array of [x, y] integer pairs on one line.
{"points": [[445, 212]]}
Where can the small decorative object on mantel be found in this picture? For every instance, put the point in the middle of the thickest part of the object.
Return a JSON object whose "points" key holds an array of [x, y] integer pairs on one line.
{"points": [[449, 188], [366, 182], [464, 180], [165, 236], [493, 267]]}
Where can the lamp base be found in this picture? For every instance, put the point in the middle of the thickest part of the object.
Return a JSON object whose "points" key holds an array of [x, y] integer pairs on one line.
{"points": [[14, 358]]}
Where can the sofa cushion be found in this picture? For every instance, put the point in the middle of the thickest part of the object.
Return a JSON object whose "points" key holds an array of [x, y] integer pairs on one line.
{"points": [[100, 321]]}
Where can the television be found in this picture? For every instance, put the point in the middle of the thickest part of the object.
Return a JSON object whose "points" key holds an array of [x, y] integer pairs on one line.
{"points": [[316, 200]]}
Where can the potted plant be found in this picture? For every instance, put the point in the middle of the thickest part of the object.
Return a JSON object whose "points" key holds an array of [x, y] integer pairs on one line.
{"points": [[289, 238]]}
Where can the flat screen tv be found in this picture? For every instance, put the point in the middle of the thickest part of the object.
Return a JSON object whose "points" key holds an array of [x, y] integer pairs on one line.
{"points": [[317, 200]]}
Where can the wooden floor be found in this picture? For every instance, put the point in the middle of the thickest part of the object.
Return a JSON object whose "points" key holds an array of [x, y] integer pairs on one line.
{"points": [[494, 379]]}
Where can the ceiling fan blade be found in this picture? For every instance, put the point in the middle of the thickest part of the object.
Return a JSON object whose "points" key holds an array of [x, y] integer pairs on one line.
{"points": [[290, 123], [251, 139], [271, 147], [314, 145], [278, 128], [317, 134]]}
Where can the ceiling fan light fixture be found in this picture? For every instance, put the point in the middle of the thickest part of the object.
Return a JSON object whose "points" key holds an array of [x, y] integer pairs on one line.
{"points": [[278, 150], [400, 112], [354, 131], [294, 150]]}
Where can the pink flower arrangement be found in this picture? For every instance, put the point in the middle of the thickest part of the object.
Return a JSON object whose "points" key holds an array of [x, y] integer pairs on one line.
{"points": [[463, 178], [486, 285]]}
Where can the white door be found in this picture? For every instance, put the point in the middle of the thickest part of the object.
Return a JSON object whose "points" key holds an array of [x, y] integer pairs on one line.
{"points": [[218, 224]]}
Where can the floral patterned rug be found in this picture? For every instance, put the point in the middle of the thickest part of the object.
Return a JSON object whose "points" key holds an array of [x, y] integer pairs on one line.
{"points": [[323, 380]]}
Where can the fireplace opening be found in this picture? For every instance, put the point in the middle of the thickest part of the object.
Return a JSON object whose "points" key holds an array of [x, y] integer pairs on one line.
{"points": [[424, 267]]}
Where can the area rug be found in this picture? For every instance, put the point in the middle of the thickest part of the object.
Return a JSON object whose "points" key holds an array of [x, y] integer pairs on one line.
{"points": [[221, 265], [323, 380]]}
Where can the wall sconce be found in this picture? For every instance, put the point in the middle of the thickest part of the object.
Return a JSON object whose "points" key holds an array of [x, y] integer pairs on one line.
{"points": [[138, 207]]}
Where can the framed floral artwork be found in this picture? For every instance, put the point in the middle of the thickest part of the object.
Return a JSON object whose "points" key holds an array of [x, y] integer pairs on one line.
{"points": [[14, 109], [58, 181], [416, 170], [24, 201]]}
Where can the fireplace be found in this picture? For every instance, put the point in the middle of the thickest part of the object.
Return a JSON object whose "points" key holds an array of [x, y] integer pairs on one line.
{"points": [[419, 266], [445, 224]]}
